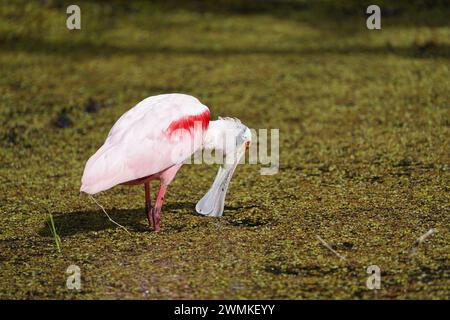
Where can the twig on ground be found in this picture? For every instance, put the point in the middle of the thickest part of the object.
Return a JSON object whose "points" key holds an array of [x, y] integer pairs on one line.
{"points": [[330, 248], [101, 207], [421, 239]]}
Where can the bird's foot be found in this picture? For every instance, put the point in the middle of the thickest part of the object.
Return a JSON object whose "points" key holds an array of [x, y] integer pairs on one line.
{"points": [[149, 212], [156, 212], [153, 218]]}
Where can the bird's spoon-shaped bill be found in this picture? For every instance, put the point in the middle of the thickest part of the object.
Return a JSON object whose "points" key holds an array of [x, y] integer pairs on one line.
{"points": [[213, 202]]}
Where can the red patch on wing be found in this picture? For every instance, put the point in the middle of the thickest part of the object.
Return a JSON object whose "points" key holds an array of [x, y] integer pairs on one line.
{"points": [[188, 123]]}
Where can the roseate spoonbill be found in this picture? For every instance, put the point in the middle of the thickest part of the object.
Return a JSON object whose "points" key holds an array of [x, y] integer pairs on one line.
{"points": [[153, 139]]}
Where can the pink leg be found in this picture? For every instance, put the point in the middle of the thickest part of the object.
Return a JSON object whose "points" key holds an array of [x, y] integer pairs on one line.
{"points": [[148, 203], [158, 205]]}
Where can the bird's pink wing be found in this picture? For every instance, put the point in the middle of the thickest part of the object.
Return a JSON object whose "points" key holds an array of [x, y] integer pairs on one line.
{"points": [[157, 133]]}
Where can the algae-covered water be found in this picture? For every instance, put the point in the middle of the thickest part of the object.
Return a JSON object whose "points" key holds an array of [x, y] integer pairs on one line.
{"points": [[363, 117]]}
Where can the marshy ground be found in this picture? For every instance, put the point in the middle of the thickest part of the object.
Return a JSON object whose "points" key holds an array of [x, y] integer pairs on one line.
{"points": [[364, 149]]}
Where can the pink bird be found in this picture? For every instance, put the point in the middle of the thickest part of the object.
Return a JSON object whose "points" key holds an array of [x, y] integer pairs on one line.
{"points": [[153, 139]]}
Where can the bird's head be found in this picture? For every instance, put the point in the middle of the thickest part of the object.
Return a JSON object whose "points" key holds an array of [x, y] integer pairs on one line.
{"points": [[230, 137]]}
